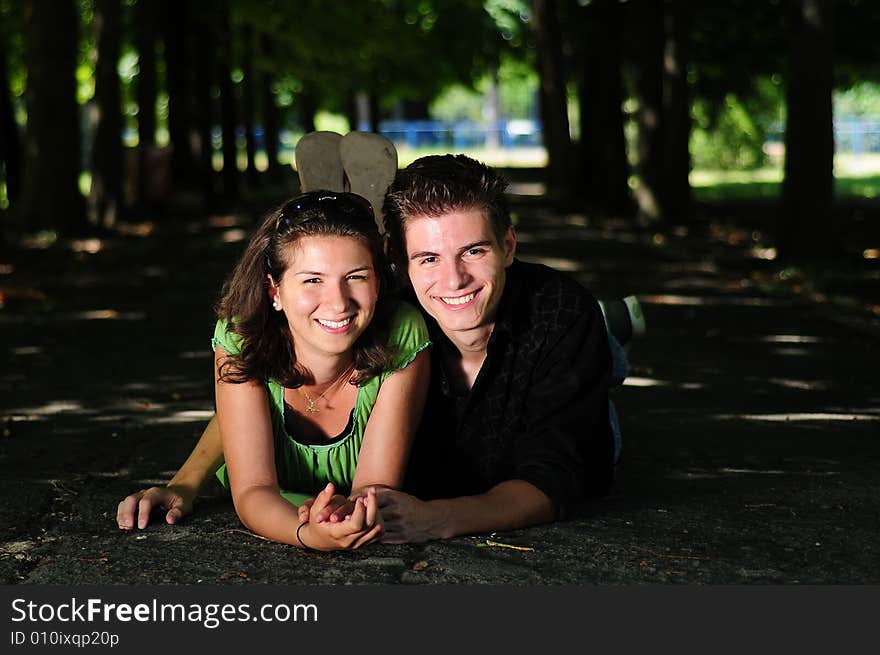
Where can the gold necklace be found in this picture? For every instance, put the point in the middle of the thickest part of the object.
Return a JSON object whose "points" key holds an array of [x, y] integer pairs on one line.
{"points": [[312, 403]]}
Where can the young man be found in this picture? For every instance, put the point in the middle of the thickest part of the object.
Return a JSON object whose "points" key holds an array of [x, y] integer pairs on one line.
{"points": [[516, 428]]}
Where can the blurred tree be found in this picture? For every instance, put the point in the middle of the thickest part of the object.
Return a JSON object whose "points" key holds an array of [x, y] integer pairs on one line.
{"points": [[176, 19], [385, 50], [50, 195], [203, 147], [10, 143], [105, 197], [248, 103], [675, 194], [603, 173], [228, 113], [647, 21], [735, 70], [806, 229], [659, 39], [271, 136], [145, 93], [553, 99]]}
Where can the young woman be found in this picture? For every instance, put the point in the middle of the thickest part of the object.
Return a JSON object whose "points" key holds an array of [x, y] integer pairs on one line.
{"points": [[320, 380]]}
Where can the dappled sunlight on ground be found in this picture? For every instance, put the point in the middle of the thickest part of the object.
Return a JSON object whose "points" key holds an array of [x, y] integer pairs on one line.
{"points": [[851, 415], [697, 301], [801, 385], [559, 263], [790, 338], [749, 419], [182, 416], [697, 474], [634, 381]]}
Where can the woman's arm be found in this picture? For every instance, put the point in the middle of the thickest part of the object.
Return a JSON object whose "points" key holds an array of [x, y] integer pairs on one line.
{"points": [[389, 434], [248, 446]]}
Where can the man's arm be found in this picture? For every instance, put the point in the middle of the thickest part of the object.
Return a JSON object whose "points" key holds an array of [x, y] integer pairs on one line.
{"points": [[567, 447], [178, 495], [506, 506], [564, 453]]}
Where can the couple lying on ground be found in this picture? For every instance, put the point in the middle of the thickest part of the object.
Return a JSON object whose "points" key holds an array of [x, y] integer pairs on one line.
{"points": [[336, 425]]}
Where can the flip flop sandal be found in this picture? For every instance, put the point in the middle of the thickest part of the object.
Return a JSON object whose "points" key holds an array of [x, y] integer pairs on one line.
{"points": [[317, 162], [370, 163]]}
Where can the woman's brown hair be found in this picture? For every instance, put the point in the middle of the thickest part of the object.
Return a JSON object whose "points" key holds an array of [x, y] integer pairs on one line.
{"points": [[266, 350]]}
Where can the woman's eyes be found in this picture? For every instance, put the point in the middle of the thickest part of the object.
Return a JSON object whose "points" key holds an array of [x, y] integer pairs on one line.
{"points": [[354, 277]]}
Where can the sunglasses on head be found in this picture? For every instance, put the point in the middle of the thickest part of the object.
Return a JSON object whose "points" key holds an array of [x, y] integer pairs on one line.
{"points": [[322, 206]]}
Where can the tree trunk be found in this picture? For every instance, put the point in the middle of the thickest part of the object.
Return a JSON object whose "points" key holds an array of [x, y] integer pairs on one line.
{"points": [[604, 168], [307, 106], [414, 110], [176, 19], [271, 136], [10, 143], [204, 68], [248, 90], [807, 230], [51, 197], [648, 77], [492, 110], [228, 117], [352, 115], [146, 90], [554, 106], [676, 187], [105, 197], [374, 111]]}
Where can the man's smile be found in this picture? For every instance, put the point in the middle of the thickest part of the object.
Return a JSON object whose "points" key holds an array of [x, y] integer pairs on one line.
{"points": [[458, 302]]}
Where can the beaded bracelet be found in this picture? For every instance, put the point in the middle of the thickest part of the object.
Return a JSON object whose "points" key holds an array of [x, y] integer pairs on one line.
{"points": [[298, 538]]}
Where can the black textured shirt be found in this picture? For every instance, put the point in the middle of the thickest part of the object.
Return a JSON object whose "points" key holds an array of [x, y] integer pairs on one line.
{"points": [[538, 409]]}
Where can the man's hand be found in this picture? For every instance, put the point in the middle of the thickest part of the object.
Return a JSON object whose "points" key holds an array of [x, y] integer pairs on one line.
{"points": [[176, 502], [408, 519]]}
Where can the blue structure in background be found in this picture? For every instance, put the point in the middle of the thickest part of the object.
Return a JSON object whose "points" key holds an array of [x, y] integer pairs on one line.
{"points": [[460, 135]]}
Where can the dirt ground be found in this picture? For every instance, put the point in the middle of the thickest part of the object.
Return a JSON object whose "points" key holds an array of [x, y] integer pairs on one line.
{"points": [[751, 420]]}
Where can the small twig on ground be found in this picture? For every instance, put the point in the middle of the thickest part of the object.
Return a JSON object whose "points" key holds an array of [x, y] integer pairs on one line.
{"points": [[694, 557], [498, 544], [247, 532]]}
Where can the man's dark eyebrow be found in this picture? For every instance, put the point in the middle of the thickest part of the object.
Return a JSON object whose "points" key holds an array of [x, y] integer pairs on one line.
{"points": [[476, 244], [423, 253]]}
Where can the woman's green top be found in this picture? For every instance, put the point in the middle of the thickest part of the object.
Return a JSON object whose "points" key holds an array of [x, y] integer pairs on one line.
{"points": [[304, 470]]}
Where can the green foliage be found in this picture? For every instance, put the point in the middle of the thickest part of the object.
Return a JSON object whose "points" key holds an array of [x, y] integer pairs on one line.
{"points": [[854, 177], [395, 49], [517, 89], [458, 102], [11, 26], [861, 99], [733, 136], [511, 19], [85, 66]]}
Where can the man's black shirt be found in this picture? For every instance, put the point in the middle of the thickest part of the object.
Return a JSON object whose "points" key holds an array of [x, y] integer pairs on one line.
{"points": [[538, 409]]}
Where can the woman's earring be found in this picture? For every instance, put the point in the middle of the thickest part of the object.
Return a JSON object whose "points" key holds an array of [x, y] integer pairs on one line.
{"points": [[276, 305]]}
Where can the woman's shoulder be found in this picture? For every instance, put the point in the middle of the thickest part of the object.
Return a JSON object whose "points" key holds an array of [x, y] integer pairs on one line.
{"points": [[226, 338], [407, 332], [404, 313]]}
